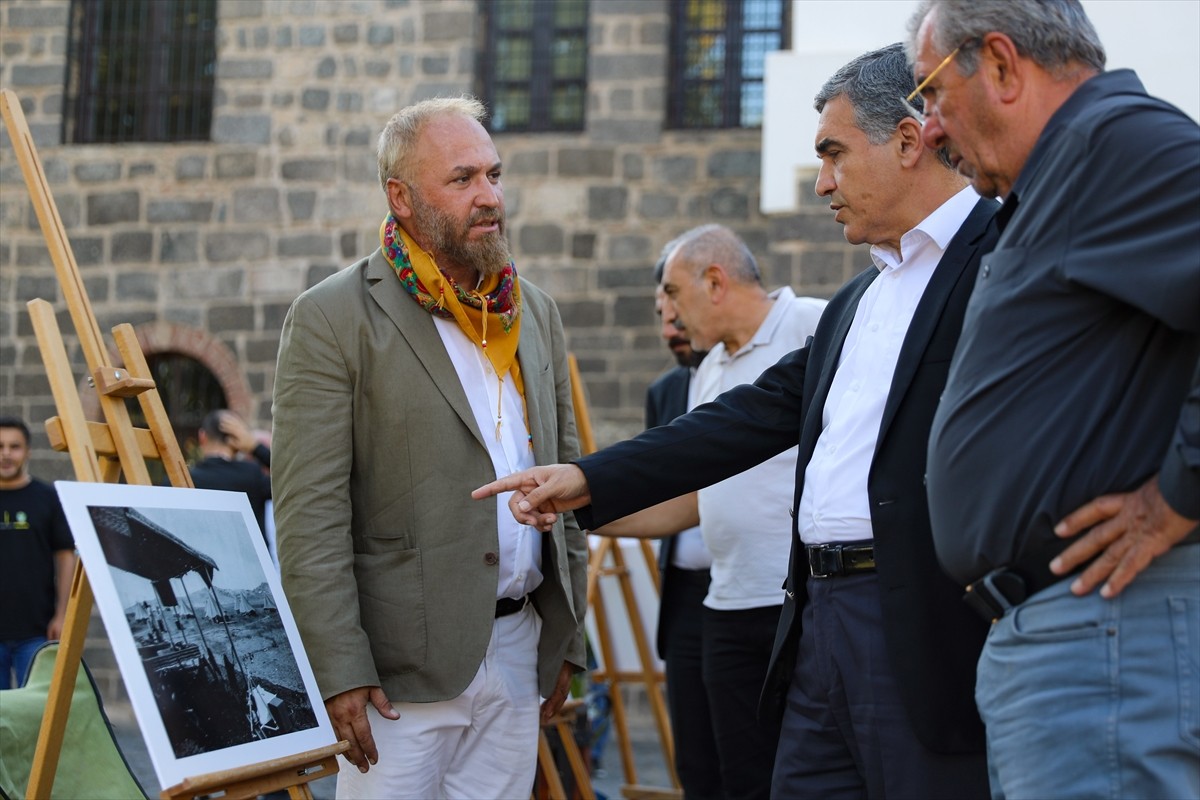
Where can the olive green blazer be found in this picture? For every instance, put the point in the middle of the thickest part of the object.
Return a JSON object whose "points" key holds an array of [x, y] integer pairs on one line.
{"points": [[387, 563]]}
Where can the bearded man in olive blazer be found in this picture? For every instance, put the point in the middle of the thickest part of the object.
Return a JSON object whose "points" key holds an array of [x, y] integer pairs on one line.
{"points": [[403, 382]]}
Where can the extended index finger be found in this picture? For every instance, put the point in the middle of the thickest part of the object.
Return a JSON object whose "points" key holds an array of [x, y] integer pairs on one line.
{"points": [[508, 483]]}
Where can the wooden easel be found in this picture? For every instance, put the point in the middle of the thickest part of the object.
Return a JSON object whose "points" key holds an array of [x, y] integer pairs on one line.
{"points": [[599, 565], [102, 452]]}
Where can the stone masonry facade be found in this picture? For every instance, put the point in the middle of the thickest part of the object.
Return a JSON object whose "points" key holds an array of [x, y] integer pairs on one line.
{"points": [[202, 246]]}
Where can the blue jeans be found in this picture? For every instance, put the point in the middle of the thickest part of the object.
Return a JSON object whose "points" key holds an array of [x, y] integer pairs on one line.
{"points": [[15, 655], [1087, 697]]}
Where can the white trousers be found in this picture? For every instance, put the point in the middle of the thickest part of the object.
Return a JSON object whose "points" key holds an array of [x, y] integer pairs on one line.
{"points": [[482, 744]]}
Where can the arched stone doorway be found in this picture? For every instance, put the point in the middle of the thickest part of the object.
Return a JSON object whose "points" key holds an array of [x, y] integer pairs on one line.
{"points": [[194, 372]]}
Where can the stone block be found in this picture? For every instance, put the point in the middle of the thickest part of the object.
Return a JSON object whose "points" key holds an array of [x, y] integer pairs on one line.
{"points": [[815, 228], [244, 68], [301, 204], [735, 164], [621, 100], [639, 277], [582, 313], [96, 287], [625, 131], [658, 205], [633, 166], [604, 8], [142, 169], [27, 16], [137, 286], [109, 208], [376, 68], [629, 247], [263, 351], [273, 315], [190, 168], [33, 286], [729, 204], [541, 240], [345, 34], [88, 250], [316, 274], [36, 75], [315, 99], [529, 163], [98, 171], [132, 247], [311, 36], [236, 165], [583, 245], [349, 102], [227, 246], [435, 65], [33, 255], [179, 247], [159, 211], [309, 169], [222, 319], [823, 267], [379, 35], [675, 170], [242, 129], [305, 244], [256, 205], [625, 66], [576, 162], [607, 202], [326, 67], [446, 26]]}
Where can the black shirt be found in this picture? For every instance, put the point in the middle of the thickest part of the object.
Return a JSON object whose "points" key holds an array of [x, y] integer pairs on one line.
{"points": [[32, 529], [1077, 372], [215, 472]]}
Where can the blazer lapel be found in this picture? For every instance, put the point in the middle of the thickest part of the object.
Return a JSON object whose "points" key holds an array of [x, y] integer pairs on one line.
{"points": [[960, 252], [418, 329], [533, 357]]}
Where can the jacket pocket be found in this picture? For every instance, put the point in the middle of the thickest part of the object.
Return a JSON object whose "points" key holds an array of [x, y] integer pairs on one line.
{"points": [[391, 601]]}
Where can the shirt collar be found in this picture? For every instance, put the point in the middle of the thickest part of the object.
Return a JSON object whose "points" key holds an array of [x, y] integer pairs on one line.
{"points": [[783, 298], [937, 229], [1120, 81]]}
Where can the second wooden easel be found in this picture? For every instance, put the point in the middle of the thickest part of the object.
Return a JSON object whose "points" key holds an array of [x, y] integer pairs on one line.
{"points": [[606, 559], [104, 452]]}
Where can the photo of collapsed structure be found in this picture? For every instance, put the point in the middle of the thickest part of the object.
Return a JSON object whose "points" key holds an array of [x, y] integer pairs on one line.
{"points": [[205, 624]]}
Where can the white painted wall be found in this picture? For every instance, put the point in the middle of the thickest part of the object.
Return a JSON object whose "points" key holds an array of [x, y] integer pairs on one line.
{"points": [[1160, 39]]}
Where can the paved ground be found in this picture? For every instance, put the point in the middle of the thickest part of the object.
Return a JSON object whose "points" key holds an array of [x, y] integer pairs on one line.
{"points": [[606, 782]]}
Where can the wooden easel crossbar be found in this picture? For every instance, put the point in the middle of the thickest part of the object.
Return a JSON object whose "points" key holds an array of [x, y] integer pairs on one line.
{"points": [[103, 452]]}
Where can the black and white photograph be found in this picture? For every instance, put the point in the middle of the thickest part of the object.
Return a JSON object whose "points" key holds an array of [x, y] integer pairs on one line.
{"points": [[201, 631]]}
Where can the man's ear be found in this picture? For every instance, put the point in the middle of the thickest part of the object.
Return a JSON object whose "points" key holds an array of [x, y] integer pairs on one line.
{"points": [[1002, 66], [399, 196], [715, 281], [908, 142]]}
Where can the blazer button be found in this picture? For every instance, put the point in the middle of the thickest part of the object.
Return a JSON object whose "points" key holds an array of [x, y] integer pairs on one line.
{"points": [[491, 559]]}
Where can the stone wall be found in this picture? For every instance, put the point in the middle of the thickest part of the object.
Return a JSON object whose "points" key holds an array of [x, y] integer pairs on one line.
{"points": [[210, 242]]}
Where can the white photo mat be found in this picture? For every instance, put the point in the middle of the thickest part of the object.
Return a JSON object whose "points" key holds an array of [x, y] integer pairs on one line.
{"points": [[202, 633]]}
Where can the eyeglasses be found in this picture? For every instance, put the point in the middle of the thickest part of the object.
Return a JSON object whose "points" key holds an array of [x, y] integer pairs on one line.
{"points": [[974, 40]]}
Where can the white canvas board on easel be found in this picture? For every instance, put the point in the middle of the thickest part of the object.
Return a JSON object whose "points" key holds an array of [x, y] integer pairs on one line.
{"points": [[202, 633]]}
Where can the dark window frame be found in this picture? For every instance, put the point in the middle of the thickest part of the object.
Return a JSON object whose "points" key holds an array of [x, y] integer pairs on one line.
{"points": [[140, 71], [542, 35], [731, 78]]}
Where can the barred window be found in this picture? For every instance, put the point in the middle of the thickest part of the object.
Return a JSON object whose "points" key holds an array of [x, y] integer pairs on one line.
{"points": [[140, 71], [533, 64], [718, 48]]}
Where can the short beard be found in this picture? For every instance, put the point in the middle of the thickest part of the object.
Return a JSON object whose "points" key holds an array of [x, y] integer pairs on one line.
{"points": [[488, 256]]}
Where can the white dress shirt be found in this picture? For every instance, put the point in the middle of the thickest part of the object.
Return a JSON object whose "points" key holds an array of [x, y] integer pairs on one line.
{"points": [[834, 506], [520, 545], [746, 520]]}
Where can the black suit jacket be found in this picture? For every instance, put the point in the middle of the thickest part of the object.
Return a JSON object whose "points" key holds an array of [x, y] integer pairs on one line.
{"points": [[932, 638], [666, 399]]}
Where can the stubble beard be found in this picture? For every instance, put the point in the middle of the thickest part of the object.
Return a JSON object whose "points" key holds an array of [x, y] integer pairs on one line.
{"points": [[488, 255]]}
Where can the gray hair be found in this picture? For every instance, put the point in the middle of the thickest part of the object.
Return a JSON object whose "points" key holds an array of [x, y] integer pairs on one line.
{"points": [[399, 136], [717, 244], [876, 85], [1054, 34]]}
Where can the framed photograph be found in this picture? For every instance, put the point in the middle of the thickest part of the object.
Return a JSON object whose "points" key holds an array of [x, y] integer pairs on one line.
{"points": [[201, 631]]}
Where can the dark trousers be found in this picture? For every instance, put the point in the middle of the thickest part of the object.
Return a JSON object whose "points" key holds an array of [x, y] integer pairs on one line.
{"points": [[681, 617], [846, 733], [737, 649]]}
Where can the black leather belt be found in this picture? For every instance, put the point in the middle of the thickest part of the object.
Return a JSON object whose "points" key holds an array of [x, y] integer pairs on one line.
{"points": [[507, 605], [834, 560]]}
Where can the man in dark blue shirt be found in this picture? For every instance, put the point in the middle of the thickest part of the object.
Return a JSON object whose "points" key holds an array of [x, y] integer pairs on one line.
{"points": [[1073, 402], [223, 435]]}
